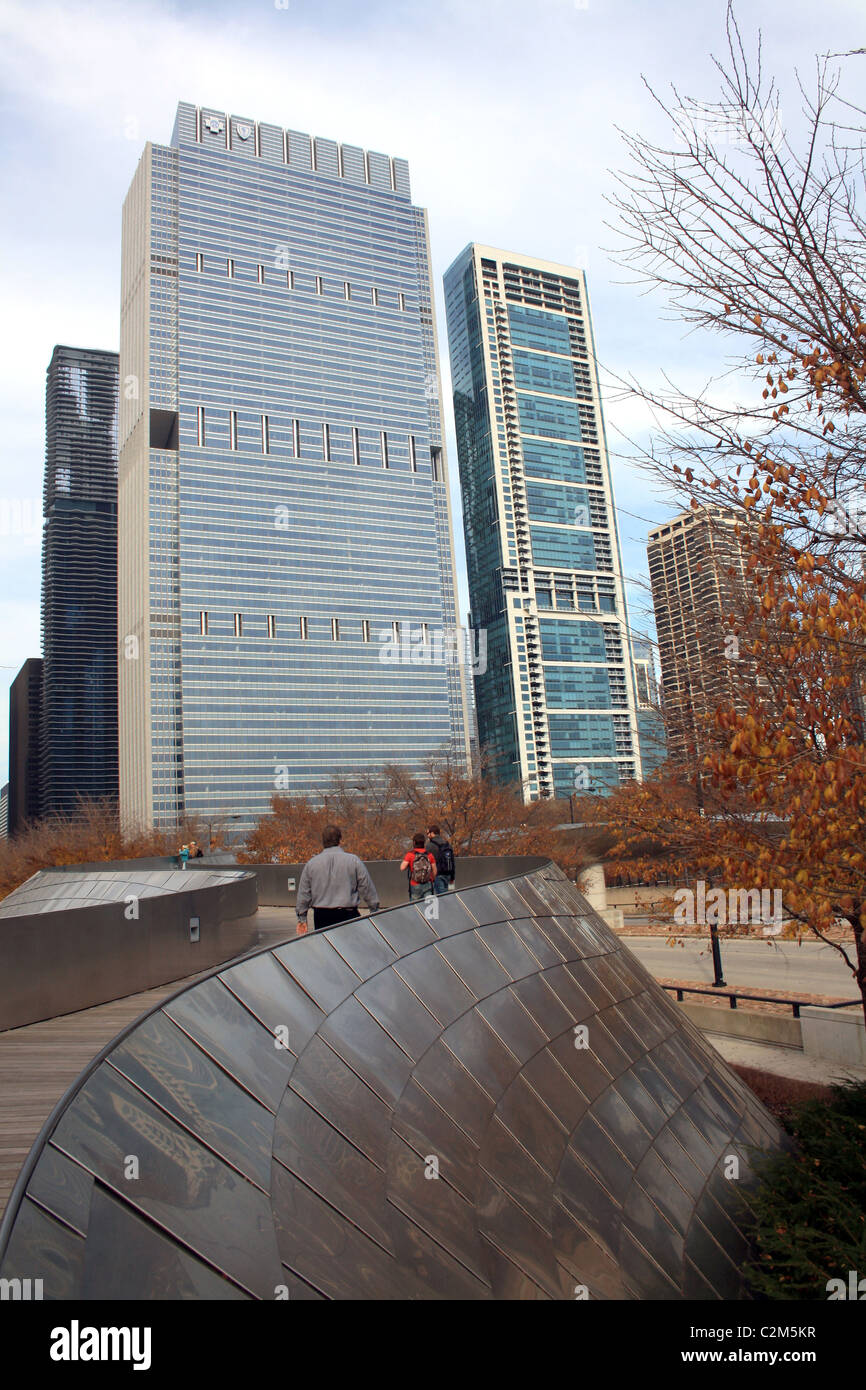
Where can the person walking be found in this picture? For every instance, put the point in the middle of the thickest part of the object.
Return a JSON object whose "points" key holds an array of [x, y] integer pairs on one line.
{"points": [[444, 856], [421, 867], [332, 884], [183, 856]]}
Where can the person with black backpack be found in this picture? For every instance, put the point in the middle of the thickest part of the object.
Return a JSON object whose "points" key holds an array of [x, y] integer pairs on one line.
{"points": [[422, 868], [444, 856]]}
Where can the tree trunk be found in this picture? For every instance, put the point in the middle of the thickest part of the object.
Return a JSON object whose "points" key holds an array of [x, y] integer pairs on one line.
{"points": [[860, 949]]}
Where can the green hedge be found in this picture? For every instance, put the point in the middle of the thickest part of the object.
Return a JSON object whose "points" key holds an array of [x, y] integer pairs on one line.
{"points": [[809, 1209]]}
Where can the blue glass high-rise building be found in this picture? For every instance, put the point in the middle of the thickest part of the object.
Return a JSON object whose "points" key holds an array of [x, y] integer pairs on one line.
{"points": [[284, 514], [78, 752], [556, 705], [650, 722]]}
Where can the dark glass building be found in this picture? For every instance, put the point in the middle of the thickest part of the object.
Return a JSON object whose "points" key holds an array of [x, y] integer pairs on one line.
{"points": [[79, 580], [25, 705]]}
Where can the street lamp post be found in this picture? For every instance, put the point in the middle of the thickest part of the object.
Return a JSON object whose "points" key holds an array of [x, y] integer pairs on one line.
{"points": [[211, 823], [715, 946], [719, 979]]}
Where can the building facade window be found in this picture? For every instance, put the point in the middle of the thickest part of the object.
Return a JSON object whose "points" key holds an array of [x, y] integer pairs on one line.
{"points": [[202, 623], [413, 456], [383, 444], [266, 435], [199, 260], [239, 624], [199, 424], [335, 629], [365, 629], [279, 208], [304, 627]]}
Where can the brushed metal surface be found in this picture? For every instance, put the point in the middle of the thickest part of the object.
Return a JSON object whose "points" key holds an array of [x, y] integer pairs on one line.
{"points": [[495, 1103]]}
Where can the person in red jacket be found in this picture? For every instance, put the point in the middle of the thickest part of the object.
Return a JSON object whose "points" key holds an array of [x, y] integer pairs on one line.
{"points": [[422, 868]]}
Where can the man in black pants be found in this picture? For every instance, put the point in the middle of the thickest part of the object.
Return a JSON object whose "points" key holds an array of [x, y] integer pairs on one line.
{"points": [[332, 883]]}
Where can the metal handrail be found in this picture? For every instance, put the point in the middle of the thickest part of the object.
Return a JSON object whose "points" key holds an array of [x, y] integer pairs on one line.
{"points": [[733, 995]]}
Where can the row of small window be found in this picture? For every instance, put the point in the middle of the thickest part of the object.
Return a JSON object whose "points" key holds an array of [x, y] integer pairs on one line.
{"points": [[339, 629], [201, 440], [290, 281], [587, 602]]}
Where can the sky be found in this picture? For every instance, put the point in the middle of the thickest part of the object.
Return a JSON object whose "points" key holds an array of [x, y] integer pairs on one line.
{"points": [[509, 115]]}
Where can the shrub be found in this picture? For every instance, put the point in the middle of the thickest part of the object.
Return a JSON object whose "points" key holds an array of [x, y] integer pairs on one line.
{"points": [[809, 1208], [89, 834]]}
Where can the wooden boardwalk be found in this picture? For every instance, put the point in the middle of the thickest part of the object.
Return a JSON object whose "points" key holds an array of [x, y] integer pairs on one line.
{"points": [[40, 1061]]}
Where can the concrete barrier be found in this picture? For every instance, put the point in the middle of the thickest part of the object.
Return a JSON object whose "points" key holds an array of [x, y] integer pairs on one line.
{"points": [[748, 1024], [834, 1034]]}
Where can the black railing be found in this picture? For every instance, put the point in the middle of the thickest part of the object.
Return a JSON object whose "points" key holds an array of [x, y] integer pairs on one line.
{"points": [[732, 996]]}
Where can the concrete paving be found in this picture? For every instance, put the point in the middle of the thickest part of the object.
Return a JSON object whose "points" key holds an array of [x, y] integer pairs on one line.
{"points": [[783, 1061], [779, 967]]}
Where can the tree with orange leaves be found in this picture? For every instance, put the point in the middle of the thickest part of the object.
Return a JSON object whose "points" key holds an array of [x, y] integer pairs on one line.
{"points": [[379, 814], [89, 834], [760, 237]]}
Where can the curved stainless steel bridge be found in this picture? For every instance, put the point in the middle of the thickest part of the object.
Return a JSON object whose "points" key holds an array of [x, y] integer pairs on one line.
{"points": [[496, 1103]]}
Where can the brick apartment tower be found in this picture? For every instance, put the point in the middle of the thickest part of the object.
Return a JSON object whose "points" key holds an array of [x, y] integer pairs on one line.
{"points": [[697, 566]]}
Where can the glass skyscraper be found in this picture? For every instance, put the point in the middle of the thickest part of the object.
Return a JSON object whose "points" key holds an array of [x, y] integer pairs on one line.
{"points": [[286, 559], [556, 705], [78, 744], [650, 723]]}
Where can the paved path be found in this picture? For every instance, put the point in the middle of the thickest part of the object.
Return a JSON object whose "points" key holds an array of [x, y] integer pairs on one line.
{"points": [[779, 967], [783, 1061]]}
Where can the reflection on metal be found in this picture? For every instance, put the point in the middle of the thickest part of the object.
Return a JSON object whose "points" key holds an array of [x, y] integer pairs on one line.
{"points": [[48, 891], [70, 940], [496, 1103]]}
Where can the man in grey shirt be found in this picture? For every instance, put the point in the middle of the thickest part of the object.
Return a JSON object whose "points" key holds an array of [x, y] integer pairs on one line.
{"points": [[332, 884]]}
